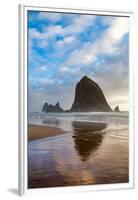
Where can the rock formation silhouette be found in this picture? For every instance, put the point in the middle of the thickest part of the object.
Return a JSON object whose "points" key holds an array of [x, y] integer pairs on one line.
{"points": [[116, 109], [52, 108], [89, 97]]}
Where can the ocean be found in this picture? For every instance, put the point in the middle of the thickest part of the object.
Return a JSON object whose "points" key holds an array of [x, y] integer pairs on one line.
{"points": [[80, 156]]}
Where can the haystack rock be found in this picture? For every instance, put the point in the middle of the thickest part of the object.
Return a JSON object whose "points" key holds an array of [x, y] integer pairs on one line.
{"points": [[45, 107], [52, 108], [89, 97], [116, 109]]}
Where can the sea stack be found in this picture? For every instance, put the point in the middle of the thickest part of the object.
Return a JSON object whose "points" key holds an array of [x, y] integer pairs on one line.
{"points": [[52, 108], [45, 107], [89, 97], [116, 109]]}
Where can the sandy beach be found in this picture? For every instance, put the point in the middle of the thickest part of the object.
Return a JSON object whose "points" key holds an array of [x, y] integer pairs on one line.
{"points": [[88, 152], [38, 131]]}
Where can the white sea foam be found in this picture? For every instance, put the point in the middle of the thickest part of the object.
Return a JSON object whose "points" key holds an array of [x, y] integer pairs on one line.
{"points": [[103, 117]]}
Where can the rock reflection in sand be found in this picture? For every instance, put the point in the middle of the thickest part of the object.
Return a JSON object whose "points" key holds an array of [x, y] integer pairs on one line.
{"points": [[87, 137], [50, 122]]}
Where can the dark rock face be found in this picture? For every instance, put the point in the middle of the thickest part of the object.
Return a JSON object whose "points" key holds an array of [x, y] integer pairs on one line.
{"points": [[45, 107], [116, 109], [52, 108], [89, 97]]}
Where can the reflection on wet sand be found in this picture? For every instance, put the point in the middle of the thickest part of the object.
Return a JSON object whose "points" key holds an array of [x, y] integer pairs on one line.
{"points": [[87, 137], [88, 126], [50, 122], [85, 146], [88, 153]]}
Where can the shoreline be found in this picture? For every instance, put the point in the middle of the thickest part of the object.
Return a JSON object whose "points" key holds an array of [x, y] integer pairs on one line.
{"points": [[39, 131]]}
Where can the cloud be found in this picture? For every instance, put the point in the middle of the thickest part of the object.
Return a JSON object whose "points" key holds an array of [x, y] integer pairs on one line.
{"points": [[52, 17], [49, 32], [69, 40], [106, 44], [77, 25], [112, 75], [42, 68]]}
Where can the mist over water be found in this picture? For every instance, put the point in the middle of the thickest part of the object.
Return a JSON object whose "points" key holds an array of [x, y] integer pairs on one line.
{"points": [[82, 155]]}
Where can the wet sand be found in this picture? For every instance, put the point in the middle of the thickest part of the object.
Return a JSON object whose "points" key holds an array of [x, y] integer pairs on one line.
{"points": [[88, 126], [89, 153], [38, 132]]}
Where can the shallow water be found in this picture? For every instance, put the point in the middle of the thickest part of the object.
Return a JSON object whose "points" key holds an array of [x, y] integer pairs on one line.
{"points": [[79, 157]]}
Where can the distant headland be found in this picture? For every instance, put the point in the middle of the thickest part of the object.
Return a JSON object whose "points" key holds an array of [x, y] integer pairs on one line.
{"points": [[89, 97]]}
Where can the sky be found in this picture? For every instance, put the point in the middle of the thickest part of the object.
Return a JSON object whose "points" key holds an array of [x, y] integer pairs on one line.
{"points": [[62, 48]]}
